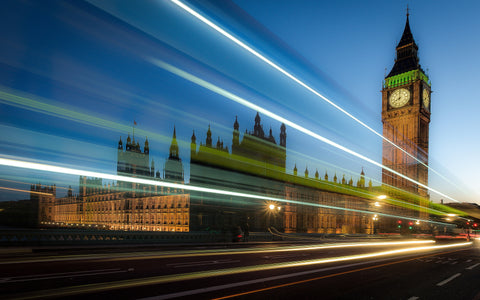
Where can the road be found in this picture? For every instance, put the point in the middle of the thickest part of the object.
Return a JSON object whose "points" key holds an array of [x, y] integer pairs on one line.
{"points": [[419, 269]]}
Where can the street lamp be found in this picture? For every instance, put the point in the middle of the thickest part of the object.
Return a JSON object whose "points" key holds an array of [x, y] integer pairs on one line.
{"points": [[375, 219]]}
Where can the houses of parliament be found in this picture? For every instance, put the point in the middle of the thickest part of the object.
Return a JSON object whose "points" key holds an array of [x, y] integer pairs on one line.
{"points": [[256, 164]]}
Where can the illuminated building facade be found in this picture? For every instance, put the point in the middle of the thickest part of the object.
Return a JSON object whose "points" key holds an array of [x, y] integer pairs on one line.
{"points": [[255, 165], [406, 118], [128, 205]]}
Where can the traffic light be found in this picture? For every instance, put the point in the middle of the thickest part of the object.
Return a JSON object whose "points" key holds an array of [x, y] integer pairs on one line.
{"points": [[410, 225], [399, 223], [475, 225]]}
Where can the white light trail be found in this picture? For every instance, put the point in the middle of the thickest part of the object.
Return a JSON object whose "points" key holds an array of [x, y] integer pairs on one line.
{"points": [[70, 171], [292, 77], [244, 102]]}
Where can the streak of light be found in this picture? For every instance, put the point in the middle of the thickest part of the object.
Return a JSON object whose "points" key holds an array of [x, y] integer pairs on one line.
{"points": [[244, 102], [295, 79], [23, 182], [209, 252], [24, 191], [193, 253], [39, 104], [70, 171], [130, 283]]}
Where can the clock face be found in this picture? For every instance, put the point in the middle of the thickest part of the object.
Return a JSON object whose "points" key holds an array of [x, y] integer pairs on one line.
{"points": [[426, 98], [399, 98]]}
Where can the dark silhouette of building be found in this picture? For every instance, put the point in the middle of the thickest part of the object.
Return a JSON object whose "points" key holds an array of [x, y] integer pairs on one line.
{"points": [[253, 166]]}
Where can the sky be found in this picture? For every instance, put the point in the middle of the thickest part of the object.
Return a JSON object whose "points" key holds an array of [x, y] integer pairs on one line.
{"points": [[74, 76]]}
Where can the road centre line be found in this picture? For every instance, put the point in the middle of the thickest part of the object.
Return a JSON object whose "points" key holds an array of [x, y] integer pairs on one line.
{"points": [[413, 298], [448, 279], [471, 267]]}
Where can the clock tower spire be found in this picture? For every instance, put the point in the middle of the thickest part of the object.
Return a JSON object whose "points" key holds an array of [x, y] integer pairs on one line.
{"points": [[406, 117]]}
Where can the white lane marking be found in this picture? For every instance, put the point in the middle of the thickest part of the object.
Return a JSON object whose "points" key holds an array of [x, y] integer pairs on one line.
{"points": [[469, 260], [202, 263], [455, 262], [448, 279], [471, 267], [60, 275], [413, 298]]}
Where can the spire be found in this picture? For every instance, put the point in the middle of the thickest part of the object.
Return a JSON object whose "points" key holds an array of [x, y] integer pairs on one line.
{"points": [[257, 129], [295, 170], [326, 175], [236, 135], [316, 174], [193, 146], [208, 141], [174, 145], [120, 144], [129, 143], [407, 53], [306, 171], [335, 178], [235, 125], [194, 138], [146, 148], [283, 136], [407, 37]]}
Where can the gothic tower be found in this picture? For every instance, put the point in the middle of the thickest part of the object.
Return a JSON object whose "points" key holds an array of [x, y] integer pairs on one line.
{"points": [[406, 118], [173, 165]]}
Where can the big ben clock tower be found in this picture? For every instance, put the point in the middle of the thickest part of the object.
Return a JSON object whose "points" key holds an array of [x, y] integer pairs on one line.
{"points": [[406, 118]]}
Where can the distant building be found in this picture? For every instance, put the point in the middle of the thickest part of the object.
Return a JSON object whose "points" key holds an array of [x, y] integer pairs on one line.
{"points": [[255, 165], [251, 167], [128, 205]]}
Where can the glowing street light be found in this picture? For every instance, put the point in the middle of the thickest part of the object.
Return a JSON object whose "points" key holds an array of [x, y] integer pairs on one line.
{"points": [[271, 206], [382, 197]]}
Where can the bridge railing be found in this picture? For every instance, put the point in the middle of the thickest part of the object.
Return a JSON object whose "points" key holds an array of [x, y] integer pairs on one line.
{"points": [[49, 237]]}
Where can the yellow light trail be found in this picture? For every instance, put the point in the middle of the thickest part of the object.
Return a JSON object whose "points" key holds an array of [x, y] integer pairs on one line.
{"points": [[71, 171], [24, 191], [208, 252], [131, 283], [246, 103], [292, 77]]}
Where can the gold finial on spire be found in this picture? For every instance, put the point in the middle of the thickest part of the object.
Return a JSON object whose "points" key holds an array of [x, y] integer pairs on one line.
{"points": [[408, 11]]}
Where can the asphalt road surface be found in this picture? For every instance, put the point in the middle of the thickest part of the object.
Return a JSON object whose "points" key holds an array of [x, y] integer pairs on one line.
{"points": [[358, 270]]}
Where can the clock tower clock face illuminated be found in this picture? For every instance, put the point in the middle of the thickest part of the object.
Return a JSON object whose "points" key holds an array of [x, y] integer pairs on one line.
{"points": [[399, 98], [406, 118], [426, 98]]}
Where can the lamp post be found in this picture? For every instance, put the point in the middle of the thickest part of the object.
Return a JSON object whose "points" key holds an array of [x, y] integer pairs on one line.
{"points": [[375, 220], [273, 210]]}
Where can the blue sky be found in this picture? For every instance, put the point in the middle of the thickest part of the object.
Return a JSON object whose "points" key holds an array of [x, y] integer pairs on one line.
{"points": [[97, 59]]}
